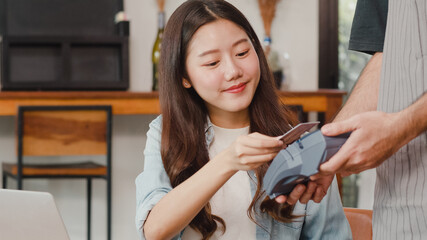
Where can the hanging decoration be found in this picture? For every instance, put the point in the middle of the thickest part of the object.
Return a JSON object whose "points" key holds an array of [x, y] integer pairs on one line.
{"points": [[276, 61]]}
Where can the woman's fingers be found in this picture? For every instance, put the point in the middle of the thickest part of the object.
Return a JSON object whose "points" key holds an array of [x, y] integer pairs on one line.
{"points": [[254, 161], [281, 199], [256, 140], [308, 194], [257, 144], [319, 194], [242, 150], [251, 151], [296, 193]]}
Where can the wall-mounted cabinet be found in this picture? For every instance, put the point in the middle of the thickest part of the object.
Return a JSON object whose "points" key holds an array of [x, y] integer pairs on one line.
{"points": [[62, 45], [58, 17], [61, 63]]}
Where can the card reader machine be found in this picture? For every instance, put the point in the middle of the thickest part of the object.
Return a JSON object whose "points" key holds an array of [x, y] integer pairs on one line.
{"points": [[300, 160]]}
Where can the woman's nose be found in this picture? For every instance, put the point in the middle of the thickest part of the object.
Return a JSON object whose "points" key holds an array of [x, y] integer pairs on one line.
{"points": [[232, 71]]}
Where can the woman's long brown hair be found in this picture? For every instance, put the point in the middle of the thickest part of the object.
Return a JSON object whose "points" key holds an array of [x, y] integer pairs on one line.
{"points": [[183, 145]]}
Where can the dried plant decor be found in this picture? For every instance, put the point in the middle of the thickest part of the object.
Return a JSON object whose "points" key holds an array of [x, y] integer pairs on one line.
{"points": [[161, 5], [268, 11]]}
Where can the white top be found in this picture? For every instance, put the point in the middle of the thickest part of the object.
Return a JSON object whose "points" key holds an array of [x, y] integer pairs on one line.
{"points": [[232, 200]]}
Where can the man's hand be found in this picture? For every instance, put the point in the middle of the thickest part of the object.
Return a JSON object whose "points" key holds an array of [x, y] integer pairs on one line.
{"points": [[315, 190], [375, 137]]}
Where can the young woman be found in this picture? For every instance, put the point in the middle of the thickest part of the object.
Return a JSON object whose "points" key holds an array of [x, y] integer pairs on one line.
{"points": [[207, 154]]}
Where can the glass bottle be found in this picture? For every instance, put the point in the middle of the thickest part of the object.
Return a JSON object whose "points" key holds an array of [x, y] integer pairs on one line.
{"points": [[155, 57], [273, 59]]}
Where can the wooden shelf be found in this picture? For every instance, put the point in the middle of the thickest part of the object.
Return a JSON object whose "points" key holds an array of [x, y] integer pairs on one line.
{"points": [[328, 101], [129, 103], [123, 103]]}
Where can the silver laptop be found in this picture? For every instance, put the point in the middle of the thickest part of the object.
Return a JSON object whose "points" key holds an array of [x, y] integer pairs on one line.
{"points": [[29, 215]]}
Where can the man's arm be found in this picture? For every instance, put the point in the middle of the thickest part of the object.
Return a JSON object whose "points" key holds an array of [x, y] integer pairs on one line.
{"points": [[364, 96], [375, 137], [414, 118]]}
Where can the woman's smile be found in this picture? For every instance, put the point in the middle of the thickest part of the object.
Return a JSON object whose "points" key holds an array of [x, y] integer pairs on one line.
{"points": [[236, 88]]}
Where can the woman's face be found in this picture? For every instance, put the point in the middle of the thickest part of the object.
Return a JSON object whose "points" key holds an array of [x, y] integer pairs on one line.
{"points": [[223, 68]]}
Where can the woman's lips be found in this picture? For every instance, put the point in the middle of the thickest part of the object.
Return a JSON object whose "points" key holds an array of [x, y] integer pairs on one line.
{"points": [[236, 88]]}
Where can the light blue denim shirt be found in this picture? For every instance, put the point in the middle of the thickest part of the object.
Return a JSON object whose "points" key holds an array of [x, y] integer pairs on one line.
{"points": [[324, 220]]}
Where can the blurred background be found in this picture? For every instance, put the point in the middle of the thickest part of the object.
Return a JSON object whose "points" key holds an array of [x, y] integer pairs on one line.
{"points": [[310, 38]]}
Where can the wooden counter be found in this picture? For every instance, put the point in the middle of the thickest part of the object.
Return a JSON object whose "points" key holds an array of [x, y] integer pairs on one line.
{"points": [[127, 103]]}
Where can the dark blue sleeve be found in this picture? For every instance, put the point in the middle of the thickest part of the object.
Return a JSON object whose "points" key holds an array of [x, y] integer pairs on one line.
{"points": [[369, 25]]}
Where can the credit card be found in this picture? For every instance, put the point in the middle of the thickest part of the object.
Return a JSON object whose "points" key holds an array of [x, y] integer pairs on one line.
{"points": [[296, 132]]}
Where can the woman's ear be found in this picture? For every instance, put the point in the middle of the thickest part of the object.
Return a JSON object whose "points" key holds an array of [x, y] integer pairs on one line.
{"points": [[186, 83]]}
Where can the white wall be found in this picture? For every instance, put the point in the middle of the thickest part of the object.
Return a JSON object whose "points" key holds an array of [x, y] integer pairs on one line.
{"points": [[295, 31]]}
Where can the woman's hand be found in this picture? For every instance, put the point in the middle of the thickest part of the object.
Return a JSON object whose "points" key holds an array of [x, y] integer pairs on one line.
{"points": [[251, 151], [315, 190]]}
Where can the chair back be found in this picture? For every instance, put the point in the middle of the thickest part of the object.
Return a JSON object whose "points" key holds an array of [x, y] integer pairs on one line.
{"points": [[360, 223], [297, 112], [63, 130]]}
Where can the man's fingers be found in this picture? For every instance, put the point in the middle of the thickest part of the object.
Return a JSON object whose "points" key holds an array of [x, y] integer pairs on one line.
{"points": [[333, 129], [337, 161]]}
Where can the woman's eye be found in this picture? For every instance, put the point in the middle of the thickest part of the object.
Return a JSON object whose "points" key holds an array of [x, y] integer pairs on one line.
{"points": [[241, 54], [211, 64]]}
